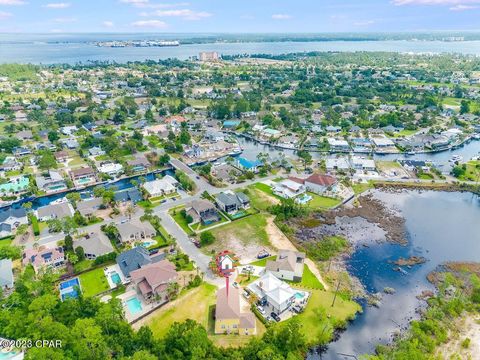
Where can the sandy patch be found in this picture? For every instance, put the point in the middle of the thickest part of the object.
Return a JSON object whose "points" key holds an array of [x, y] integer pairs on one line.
{"points": [[280, 241], [467, 327]]}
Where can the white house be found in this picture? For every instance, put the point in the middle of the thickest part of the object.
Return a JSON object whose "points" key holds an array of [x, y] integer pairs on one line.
{"points": [[160, 187], [278, 294], [288, 189], [110, 168]]}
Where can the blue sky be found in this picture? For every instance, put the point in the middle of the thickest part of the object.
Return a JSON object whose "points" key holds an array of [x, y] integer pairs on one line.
{"points": [[205, 16]]}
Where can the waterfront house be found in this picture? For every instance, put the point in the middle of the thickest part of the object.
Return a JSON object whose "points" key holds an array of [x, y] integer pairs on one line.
{"points": [[132, 195], [140, 164], [288, 188], [51, 182], [6, 274], [55, 211], [249, 165], [135, 230], [161, 187], [320, 183], [16, 185], [382, 142], [231, 202], [202, 211], [338, 145], [83, 176], [337, 164], [229, 317], [11, 163], [44, 258], [363, 164], [133, 259], [226, 172], [94, 245], [153, 280], [288, 265], [11, 219], [89, 207], [110, 168], [278, 294]]}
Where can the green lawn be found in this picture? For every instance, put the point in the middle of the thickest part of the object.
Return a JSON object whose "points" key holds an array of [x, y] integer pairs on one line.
{"points": [[6, 241], [265, 188], [263, 262], [76, 161], [246, 231], [450, 101], [319, 315], [199, 226], [309, 280], [322, 202], [193, 304], [472, 172], [82, 265], [42, 226], [259, 199], [180, 220], [359, 188], [93, 282]]}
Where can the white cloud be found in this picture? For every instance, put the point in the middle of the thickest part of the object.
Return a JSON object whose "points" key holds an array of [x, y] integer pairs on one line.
{"points": [[461, 7], [364, 23], [435, 2], [12, 2], [281, 16], [149, 5], [186, 14], [57, 5], [157, 24], [108, 24], [5, 15], [134, 1], [64, 20]]}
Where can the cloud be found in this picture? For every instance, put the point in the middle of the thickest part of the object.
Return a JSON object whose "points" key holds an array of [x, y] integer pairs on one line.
{"points": [[64, 20], [5, 15], [108, 24], [157, 24], [57, 5], [435, 2], [364, 23], [12, 2], [57, 31], [461, 7], [281, 16], [149, 5], [186, 14]]}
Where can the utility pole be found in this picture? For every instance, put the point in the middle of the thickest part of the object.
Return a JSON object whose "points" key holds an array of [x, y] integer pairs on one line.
{"points": [[336, 291]]}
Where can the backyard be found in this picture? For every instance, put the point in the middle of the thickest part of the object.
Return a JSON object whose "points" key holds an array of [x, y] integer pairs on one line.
{"points": [[93, 282], [322, 202]]}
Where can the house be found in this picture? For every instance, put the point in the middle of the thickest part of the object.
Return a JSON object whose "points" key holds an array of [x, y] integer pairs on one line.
{"points": [[133, 259], [25, 135], [229, 318], [249, 165], [16, 185], [159, 130], [361, 163], [96, 151], [133, 195], [44, 258], [202, 211], [338, 145], [6, 274], [139, 165], [231, 202], [226, 172], [88, 207], [69, 130], [319, 184], [51, 183], [110, 168], [135, 230], [153, 280], [55, 211], [288, 188], [160, 187], [11, 219], [71, 143], [61, 156], [94, 245], [21, 151], [83, 176], [288, 265], [341, 164], [10, 163], [278, 294], [382, 142]]}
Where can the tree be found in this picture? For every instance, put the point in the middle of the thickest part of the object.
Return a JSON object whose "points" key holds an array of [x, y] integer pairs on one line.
{"points": [[207, 238], [80, 253], [53, 136], [306, 157], [172, 290], [464, 107], [68, 241]]}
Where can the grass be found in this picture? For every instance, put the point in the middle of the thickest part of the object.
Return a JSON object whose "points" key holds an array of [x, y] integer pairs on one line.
{"points": [[320, 314], [309, 280], [42, 225], [322, 202], [180, 220], [388, 165], [265, 188], [263, 262], [404, 132], [76, 161], [82, 265], [247, 230], [93, 282], [472, 173], [259, 199], [200, 227], [193, 304], [6, 241], [359, 188]]}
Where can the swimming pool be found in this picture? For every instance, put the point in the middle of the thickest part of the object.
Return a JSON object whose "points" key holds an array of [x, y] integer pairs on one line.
{"points": [[9, 355], [116, 278], [148, 243], [68, 289], [299, 295], [134, 305]]}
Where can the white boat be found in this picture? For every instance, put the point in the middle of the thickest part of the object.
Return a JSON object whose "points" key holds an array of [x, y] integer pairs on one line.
{"points": [[456, 158]]}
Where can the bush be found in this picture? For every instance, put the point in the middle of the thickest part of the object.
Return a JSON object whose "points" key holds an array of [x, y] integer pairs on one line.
{"points": [[105, 258], [466, 343], [327, 248], [206, 238], [35, 227]]}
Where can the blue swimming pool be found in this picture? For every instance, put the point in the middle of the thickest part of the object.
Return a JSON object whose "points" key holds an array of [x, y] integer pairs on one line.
{"points": [[116, 278], [299, 295], [9, 355], [134, 305], [68, 289]]}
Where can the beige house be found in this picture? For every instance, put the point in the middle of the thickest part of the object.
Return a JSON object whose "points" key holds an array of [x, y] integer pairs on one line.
{"points": [[152, 280], [288, 265], [229, 318]]}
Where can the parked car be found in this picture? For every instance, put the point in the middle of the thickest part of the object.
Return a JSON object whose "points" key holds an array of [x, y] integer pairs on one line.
{"points": [[261, 309], [246, 294], [262, 302], [235, 284], [263, 254], [275, 317], [297, 309]]}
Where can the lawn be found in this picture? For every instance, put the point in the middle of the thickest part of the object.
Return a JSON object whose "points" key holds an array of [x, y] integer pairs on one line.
{"points": [[82, 265], [322, 202], [76, 161], [309, 280], [265, 188], [193, 304], [93, 282], [404, 132], [319, 315], [249, 230], [259, 199], [359, 188], [6, 241], [472, 173], [263, 262], [201, 227], [180, 220]]}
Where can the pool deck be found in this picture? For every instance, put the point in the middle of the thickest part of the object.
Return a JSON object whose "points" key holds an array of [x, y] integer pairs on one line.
{"points": [[114, 269], [146, 307]]}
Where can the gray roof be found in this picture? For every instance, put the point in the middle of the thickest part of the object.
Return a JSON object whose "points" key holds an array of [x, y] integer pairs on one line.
{"points": [[16, 213], [95, 243], [133, 259], [88, 206], [6, 274], [58, 211], [134, 226]]}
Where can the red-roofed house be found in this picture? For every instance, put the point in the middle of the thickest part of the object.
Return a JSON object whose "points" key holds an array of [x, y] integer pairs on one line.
{"points": [[44, 258], [319, 184], [152, 280]]}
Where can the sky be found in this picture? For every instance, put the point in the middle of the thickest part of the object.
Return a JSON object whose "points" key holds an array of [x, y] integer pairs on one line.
{"points": [[238, 16]]}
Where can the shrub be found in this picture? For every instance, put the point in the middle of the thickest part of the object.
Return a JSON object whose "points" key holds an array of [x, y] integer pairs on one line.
{"points": [[206, 238]]}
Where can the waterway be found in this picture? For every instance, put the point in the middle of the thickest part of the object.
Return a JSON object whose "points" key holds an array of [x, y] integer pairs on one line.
{"points": [[76, 48], [441, 227]]}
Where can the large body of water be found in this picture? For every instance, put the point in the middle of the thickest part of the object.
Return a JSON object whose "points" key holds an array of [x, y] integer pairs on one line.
{"points": [[75, 48], [441, 227]]}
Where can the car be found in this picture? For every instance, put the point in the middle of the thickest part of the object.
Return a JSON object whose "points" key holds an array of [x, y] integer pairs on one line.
{"points": [[261, 309], [174, 199], [262, 302], [163, 201], [275, 317], [246, 294], [197, 177], [235, 284], [263, 254], [297, 309]]}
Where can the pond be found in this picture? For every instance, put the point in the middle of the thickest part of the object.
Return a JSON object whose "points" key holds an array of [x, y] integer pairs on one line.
{"points": [[441, 227]]}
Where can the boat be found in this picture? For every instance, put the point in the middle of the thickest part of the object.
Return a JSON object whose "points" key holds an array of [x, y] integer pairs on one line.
{"points": [[456, 158]]}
